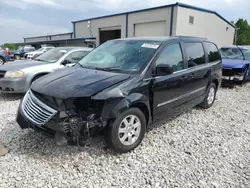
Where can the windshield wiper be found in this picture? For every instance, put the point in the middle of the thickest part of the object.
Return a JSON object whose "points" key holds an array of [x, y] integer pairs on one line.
{"points": [[114, 68], [80, 64]]}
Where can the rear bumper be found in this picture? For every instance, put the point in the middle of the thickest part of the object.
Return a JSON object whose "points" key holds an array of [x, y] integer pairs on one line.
{"points": [[15, 85]]}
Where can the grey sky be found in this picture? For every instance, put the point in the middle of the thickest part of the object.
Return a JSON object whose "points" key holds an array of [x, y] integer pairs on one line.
{"points": [[24, 18]]}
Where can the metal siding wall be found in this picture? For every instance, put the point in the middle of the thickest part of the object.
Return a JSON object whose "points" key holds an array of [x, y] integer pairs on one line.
{"points": [[37, 39], [82, 30], [61, 37], [149, 16], [175, 18], [150, 29], [206, 25]]}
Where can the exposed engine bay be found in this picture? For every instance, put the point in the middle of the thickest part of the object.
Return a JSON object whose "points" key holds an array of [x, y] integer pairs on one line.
{"points": [[79, 119], [72, 121]]}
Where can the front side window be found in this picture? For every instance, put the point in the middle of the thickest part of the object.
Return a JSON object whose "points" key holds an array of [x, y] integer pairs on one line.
{"points": [[195, 54], [246, 53], [128, 56], [172, 56], [213, 52], [231, 53], [75, 57]]}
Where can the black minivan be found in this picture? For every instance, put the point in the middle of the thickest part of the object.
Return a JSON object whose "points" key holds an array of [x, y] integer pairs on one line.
{"points": [[121, 87]]}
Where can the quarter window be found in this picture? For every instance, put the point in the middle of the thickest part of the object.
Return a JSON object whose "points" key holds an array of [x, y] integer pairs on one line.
{"points": [[172, 56], [195, 54], [213, 52]]}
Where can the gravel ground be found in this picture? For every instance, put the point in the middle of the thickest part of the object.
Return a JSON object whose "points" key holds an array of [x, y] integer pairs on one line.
{"points": [[201, 148]]}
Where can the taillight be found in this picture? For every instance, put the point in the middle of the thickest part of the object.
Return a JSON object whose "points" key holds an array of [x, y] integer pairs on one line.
{"points": [[5, 51]]}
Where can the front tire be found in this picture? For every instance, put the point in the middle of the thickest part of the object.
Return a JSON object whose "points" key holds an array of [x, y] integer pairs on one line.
{"points": [[126, 132], [210, 97]]}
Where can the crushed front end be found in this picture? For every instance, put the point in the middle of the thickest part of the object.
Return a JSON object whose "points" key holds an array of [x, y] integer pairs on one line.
{"points": [[70, 120]]}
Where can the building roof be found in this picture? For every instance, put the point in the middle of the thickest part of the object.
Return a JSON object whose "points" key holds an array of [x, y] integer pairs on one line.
{"points": [[91, 39], [70, 33], [165, 6]]}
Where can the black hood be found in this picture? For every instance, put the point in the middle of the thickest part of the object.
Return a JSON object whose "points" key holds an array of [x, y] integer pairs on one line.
{"points": [[76, 82]]}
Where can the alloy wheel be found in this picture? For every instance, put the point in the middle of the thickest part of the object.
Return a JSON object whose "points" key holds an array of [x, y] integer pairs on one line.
{"points": [[129, 130], [211, 95]]}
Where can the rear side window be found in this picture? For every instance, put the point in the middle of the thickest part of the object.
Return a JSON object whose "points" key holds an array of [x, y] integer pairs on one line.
{"points": [[195, 54], [213, 52]]}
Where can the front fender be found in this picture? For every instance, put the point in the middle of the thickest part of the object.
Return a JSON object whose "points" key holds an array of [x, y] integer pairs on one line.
{"points": [[113, 109]]}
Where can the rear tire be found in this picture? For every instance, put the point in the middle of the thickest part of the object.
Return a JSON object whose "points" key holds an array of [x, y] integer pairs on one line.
{"points": [[2, 61], [126, 132], [210, 97]]}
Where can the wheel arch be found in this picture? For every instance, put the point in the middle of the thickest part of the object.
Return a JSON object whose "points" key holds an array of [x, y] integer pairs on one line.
{"points": [[143, 107], [216, 82], [135, 100], [2, 58], [40, 74]]}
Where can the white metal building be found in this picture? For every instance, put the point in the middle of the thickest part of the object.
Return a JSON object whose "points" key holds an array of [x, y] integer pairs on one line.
{"points": [[169, 20]]}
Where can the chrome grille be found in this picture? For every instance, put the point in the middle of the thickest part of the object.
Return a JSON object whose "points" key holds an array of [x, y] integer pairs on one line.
{"points": [[35, 110]]}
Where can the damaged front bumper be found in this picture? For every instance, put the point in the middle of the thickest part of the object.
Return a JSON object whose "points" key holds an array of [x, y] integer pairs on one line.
{"points": [[65, 125], [233, 74]]}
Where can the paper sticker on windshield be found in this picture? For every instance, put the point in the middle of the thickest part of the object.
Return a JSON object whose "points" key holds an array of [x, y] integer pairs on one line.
{"points": [[154, 46]]}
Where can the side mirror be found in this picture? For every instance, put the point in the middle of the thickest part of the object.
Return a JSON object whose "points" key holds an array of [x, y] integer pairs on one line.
{"points": [[163, 70], [65, 62]]}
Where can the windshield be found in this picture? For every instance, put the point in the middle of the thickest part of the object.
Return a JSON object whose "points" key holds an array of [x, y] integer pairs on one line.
{"points": [[20, 48], [53, 55], [121, 55], [231, 53], [246, 53]]}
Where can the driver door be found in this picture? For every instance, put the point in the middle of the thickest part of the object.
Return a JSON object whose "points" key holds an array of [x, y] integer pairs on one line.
{"points": [[169, 91]]}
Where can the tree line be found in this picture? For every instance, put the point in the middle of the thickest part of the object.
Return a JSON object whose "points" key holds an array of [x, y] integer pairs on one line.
{"points": [[243, 32]]}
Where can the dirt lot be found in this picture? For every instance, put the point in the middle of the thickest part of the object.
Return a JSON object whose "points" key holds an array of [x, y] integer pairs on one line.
{"points": [[201, 148]]}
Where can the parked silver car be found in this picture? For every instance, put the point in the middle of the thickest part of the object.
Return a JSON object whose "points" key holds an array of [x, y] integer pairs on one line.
{"points": [[17, 77], [40, 51]]}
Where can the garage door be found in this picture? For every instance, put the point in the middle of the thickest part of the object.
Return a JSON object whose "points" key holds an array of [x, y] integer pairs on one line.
{"points": [[150, 29]]}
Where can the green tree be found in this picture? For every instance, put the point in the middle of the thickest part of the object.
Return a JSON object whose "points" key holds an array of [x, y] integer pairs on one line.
{"points": [[243, 33], [10, 46]]}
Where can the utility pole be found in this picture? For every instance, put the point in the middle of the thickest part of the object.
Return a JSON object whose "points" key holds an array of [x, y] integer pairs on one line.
{"points": [[236, 35]]}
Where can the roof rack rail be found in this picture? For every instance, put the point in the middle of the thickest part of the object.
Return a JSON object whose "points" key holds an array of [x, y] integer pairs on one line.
{"points": [[183, 36]]}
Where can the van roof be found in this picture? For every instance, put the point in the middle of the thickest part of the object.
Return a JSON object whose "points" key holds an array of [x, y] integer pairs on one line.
{"points": [[162, 39]]}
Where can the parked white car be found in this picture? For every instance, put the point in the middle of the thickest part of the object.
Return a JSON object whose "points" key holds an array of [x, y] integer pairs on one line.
{"points": [[40, 51]]}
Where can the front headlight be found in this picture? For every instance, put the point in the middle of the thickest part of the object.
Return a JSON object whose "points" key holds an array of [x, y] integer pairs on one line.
{"points": [[13, 74]]}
